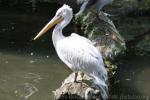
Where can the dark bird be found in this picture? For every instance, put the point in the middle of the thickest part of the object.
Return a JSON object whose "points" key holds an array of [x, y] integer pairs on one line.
{"points": [[85, 4]]}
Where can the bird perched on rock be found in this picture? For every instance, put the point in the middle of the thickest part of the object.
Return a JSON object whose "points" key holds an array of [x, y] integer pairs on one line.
{"points": [[77, 52]]}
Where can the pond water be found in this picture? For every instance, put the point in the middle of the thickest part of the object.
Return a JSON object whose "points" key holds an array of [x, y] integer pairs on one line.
{"points": [[30, 77]]}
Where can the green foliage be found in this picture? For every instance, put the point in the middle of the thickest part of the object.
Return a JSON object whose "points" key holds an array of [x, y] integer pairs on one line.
{"points": [[87, 24]]}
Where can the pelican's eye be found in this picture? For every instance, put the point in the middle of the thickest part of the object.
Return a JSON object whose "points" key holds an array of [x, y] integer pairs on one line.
{"points": [[59, 15]]}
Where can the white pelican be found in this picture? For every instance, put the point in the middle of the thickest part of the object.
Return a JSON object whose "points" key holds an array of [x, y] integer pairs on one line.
{"points": [[77, 52]]}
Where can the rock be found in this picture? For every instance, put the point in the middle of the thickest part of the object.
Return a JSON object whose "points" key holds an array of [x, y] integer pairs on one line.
{"points": [[85, 89]]}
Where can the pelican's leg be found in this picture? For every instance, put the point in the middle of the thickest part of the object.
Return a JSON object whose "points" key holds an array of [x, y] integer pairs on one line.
{"points": [[82, 75], [75, 77]]}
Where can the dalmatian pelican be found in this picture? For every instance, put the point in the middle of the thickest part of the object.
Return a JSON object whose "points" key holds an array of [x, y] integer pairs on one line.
{"points": [[77, 52]]}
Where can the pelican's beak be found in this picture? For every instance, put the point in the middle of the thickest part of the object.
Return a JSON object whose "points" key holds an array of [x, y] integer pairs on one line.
{"points": [[54, 21]]}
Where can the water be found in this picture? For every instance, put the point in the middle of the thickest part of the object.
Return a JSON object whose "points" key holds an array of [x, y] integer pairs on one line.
{"points": [[132, 81], [30, 77]]}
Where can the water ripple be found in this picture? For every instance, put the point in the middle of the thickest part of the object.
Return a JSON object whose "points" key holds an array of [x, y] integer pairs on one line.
{"points": [[33, 76], [30, 89]]}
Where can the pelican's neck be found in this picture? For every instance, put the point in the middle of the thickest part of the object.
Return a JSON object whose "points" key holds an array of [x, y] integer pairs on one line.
{"points": [[57, 32]]}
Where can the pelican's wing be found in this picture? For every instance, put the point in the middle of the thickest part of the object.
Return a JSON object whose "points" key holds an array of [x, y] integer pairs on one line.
{"points": [[78, 52], [74, 35]]}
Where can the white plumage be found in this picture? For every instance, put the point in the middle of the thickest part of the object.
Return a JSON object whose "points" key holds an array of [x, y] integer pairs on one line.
{"points": [[77, 52]]}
